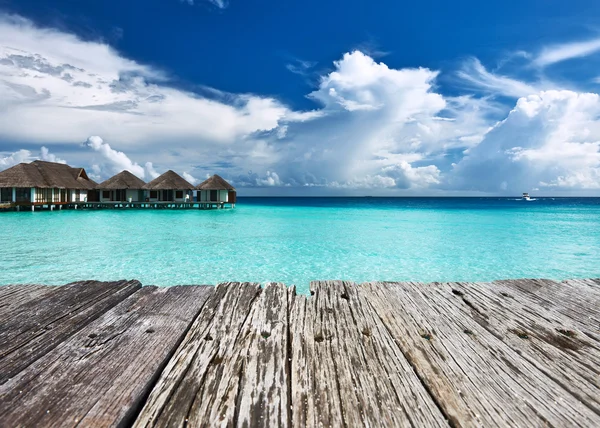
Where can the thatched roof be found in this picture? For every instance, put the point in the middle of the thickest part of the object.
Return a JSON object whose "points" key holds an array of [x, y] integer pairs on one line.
{"points": [[123, 180], [170, 180], [215, 182], [46, 175]]}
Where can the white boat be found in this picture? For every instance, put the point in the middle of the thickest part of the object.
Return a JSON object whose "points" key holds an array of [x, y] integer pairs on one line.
{"points": [[526, 197]]}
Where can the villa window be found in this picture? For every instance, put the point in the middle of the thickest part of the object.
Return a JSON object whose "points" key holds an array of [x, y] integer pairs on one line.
{"points": [[43, 195], [23, 194], [6, 195], [106, 194], [153, 194], [179, 194]]}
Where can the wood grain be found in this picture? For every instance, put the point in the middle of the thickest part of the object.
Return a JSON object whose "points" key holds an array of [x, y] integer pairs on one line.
{"points": [[346, 368], [475, 376], [506, 353], [101, 375], [37, 326], [547, 339], [13, 296], [200, 384]]}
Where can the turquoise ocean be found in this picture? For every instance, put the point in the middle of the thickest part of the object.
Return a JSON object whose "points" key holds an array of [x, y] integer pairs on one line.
{"points": [[296, 240]]}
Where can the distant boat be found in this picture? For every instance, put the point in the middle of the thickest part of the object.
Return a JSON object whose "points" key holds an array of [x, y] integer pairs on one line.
{"points": [[526, 197]]}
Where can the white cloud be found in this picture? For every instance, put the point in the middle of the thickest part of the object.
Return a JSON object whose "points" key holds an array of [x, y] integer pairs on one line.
{"points": [[15, 158], [282, 132], [300, 67], [45, 155], [476, 74], [271, 179], [24, 155], [376, 117], [373, 116], [566, 51], [149, 172], [401, 176], [112, 161], [73, 88], [359, 83], [376, 127], [221, 4], [190, 178], [549, 140]]}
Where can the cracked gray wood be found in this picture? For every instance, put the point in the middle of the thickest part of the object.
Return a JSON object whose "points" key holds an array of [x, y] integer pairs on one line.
{"points": [[475, 376], [13, 296], [100, 375], [508, 353], [201, 384], [544, 337], [30, 330], [346, 368], [566, 297]]}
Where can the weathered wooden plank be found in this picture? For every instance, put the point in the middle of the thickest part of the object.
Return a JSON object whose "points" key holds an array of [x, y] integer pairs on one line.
{"points": [[39, 325], [567, 297], [101, 375], [13, 296], [475, 377], [545, 338], [346, 368], [264, 385], [201, 383]]}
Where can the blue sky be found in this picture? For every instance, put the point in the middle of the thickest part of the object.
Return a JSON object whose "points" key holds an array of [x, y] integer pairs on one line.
{"points": [[309, 98]]}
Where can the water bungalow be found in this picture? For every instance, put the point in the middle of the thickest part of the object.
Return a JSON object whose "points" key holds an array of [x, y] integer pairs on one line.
{"points": [[123, 187], [215, 191], [43, 184], [48, 185], [169, 187]]}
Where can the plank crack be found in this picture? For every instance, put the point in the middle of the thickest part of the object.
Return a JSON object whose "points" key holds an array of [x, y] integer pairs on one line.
{"points": [[451, 421]]}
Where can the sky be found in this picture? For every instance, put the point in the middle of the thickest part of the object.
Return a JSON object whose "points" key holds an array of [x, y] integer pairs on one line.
{"points": [[309, 98]]}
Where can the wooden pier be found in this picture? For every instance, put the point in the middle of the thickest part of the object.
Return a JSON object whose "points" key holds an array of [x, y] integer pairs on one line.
{"points": [[43, 206], [507, 353]]}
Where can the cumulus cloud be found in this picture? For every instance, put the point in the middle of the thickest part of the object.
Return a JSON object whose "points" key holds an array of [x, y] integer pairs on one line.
{"points": [[549, 140], [73, 88], [190, 178], [271, 179], [112, 161], [376, 120], [373, 126], [45, 155], [401, 176], [15, 158], [149, 172], [371, 116], [24, 155]]}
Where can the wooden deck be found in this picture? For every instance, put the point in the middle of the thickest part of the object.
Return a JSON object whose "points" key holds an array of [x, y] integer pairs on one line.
{"points": [[42, 206], [508, 353]]}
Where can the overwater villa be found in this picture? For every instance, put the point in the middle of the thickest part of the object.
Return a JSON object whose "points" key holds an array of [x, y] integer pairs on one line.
{"points": [[123, 187], [215, 191], [43, 184], [169, 187], [49, 185]]}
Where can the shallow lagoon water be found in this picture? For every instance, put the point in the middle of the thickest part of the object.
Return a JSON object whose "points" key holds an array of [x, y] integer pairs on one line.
{"points": [[296, 240]]}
